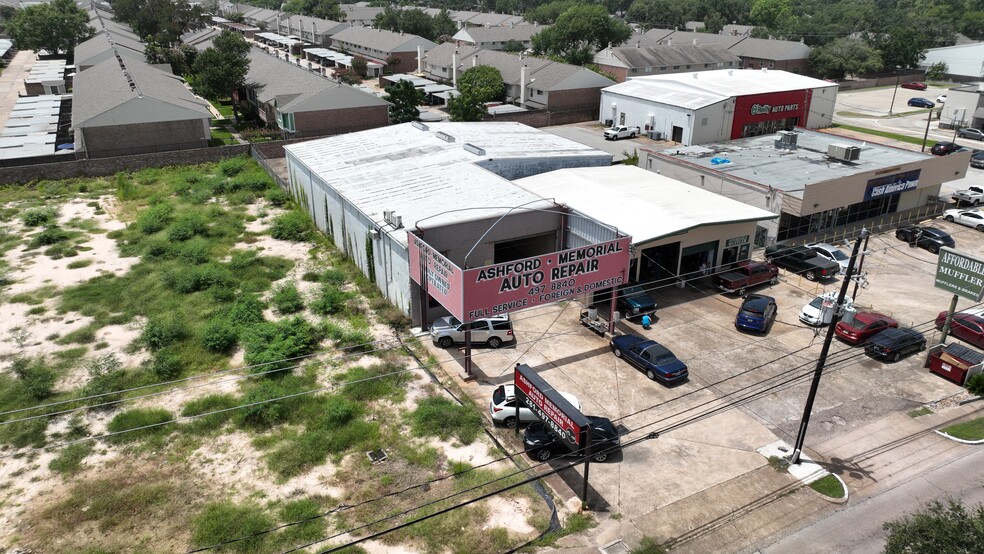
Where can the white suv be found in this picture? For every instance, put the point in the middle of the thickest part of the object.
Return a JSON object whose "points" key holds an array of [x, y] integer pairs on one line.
{"points": [[503, 406], [494, 331]]}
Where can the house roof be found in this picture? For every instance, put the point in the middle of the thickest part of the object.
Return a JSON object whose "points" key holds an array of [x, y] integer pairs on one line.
{"points": [[646, 205], [297, 90], [326, 27], [736, 30], [674, 55], [492, 19], [411, 169], [116, 92], [549, 75], [197, 37], [443, 54], [382, 40], [766, 49], [360, 13], [478, 35], [103, 46]]}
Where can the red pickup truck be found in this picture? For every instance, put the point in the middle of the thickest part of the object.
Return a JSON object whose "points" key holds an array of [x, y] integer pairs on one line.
{"points": [[746, 274]]}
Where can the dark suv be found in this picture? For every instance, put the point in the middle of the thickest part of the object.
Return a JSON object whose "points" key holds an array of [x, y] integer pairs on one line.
{"points": [[944, 148], [892, 344], [542, 444], [930, 238]]}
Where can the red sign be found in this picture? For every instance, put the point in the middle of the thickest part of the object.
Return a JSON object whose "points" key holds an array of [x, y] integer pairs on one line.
{"points": [[430, 269], [771, 106], [567, 422], [507, 287]]}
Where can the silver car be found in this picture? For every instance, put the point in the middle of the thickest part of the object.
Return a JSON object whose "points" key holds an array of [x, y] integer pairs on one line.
{"points": [[831, 252], [503, 406], [494, 331]]}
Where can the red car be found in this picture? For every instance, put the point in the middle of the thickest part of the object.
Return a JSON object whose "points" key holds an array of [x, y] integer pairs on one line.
{"points": [[966, 327], [915, 85], [864, 326]]}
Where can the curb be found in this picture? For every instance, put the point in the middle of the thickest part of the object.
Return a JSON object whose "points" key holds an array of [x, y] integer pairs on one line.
{"points": [[955, 439], [842, 500]]}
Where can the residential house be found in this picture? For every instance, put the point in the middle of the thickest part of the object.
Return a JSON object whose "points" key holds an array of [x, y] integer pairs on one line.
{"points": [[360, 16], [124, 106], [737, 30], [625, 62], [496, 38], [305, 104], [104, 46], [787, 55], [381, 45], [314, 30]]}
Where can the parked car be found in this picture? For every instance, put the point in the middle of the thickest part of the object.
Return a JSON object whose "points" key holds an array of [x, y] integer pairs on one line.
{"points": [[832, 253], [746, 274], [970, 218], [967, 326], [941, 99], [944, 148], [812, 313], [894, 343], [633, 301], [970, 195], [920, 103], [977, 160], [494, 331], [757, 313], [930, 238], [541, 443], [972, 133], [802, 260], [502, 407], [650, 357], [620, 132], [915, 85], [864, 326]]}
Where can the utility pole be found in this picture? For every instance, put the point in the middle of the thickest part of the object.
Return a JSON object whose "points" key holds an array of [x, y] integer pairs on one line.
{"points": [[926, 134], [894, 92], [857, 280], [822, 360]]}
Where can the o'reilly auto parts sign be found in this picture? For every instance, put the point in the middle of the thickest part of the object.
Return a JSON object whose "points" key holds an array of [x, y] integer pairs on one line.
{"points": [[961, 274]]}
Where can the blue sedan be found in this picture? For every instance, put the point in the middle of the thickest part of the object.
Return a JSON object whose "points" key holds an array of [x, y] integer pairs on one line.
{"points": [[650, 357], [920, 103], [757, 313]]}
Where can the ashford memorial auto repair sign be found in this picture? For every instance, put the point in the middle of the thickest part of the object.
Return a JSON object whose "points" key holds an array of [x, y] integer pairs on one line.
{"points": [[960, 273], [566, 421], [507, 287]]}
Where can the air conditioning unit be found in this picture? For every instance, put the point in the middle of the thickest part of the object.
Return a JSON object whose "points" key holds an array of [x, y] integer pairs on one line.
{"points": [[785, 140], [843, 152], [374, 234]]}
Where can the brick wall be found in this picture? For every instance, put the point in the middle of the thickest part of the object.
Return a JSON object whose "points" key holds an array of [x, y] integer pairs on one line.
{"points": [[143, 138], [620, 73], [801, 66], [101, 167], [543, 118], [335, 122], [574, 100]]}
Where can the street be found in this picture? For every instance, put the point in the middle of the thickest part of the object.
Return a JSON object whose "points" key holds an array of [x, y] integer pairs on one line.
{"points": [[858, 526]]}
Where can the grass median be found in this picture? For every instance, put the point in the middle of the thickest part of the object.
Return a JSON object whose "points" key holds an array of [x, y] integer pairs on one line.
{"points": [[972, 430], [876, 132]]}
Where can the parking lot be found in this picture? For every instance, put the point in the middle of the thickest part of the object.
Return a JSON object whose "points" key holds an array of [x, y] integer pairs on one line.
{"points": [[699, 447]]}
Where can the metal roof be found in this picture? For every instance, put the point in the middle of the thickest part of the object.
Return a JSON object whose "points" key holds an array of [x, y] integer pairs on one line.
{"points": [[643, 204], [46, 71], [756, 159], [31, 129], [416, 170]]}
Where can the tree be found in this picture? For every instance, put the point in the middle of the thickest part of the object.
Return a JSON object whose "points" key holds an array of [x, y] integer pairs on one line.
{"points": [[466, 107], [56, 27], [444, 26], [514, 46], [221, 69], [547, 14], [580, 32], [404, 99], [325, 9], [360, 66], [937, 71], [769, 13], [972, 25], [938, 528], [484, 82], [843, 57], [900, 47], [658, 13]]}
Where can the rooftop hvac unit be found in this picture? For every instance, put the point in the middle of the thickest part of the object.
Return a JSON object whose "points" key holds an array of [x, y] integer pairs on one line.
{"points": [[786, 140], [843, 152]]}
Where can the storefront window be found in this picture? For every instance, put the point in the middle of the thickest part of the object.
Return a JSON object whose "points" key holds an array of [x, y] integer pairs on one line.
{"points": [[767, 127], [735, 250], [791, 226]]}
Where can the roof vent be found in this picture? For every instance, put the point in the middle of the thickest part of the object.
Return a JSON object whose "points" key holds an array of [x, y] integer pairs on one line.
{"points": [[474, 149], [445, 137], [391, 218], [843, 152], [420, 126], [785, 140]]}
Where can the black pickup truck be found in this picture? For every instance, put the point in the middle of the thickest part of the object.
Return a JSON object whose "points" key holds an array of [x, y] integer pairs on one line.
{"points": [[802, 260]]}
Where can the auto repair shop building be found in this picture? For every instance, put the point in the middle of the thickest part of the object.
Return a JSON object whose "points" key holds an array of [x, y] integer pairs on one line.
{"points": [[815, 181], [711, 106], [676, 228]]}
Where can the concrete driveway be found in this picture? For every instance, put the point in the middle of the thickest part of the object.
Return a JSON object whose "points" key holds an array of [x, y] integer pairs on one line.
{"points": [[590, 134]]}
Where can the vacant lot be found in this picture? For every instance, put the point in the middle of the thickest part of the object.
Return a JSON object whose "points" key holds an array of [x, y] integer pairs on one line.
{"points": [[183, 362]]}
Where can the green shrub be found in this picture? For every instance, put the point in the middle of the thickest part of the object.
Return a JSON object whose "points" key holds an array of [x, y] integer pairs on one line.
{"points": [[36, 217], [199, 195], [334, 276], [226, 521], [266, 412], [330, 300], [256, 181], [51, 235], [276, 197], [376, 381], [105, 376], [232, 166], [38, 379], [69, 460], [975, 385], [346, 338], [279, 345], [218, 335], [190, 279], [25, 433], [79, 264], [246, 311], [337, 411], [154, 218], [287, 300], [300, 510], [159, 249], [242, 259], [166, 365], [312, 447], [437, 416], [207, 404], [294, 226], [154, 419], [195, 251], [186, 226], [161, 332], [241, 198], [311, 276]]}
